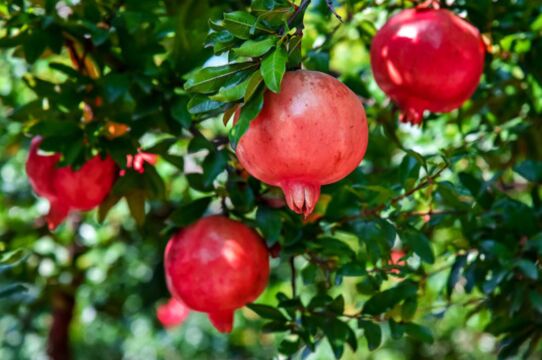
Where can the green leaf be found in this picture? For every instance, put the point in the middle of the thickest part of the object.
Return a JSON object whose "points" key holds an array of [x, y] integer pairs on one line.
{"points": [[396, 329], [106, 205], [387, 299], [12, 259], [243, 25], [213, 165], [267, 312], [528, 268], [187, 213], [232, 93], [253, 85], [269, 222], [248, 112], [530, 170], [201, 104], [337, 333], [419, 332], [179, 111], [419, 243], [12, 289], [256, 48], [136, 204], [273, 68], [455, 273], [408, 310], [536, 300], [372, 332], [209, 79]]}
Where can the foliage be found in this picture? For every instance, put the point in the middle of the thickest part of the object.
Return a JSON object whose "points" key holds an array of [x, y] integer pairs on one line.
{"points": [[461, 195]]}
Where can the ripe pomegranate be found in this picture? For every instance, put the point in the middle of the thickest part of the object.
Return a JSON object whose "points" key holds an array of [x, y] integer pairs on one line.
{"points": [[216, 266], [313, 133], [427, 59], [173, 313], [65, 188]]}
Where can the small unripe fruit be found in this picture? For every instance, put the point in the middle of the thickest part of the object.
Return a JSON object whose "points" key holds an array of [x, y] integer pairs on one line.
{"points": [[173, 313]]}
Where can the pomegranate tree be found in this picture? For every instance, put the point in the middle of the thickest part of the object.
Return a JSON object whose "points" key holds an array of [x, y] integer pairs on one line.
{"points": [[427, 59], [65, 188], [173, 313], [314, 132], [216, 266]]}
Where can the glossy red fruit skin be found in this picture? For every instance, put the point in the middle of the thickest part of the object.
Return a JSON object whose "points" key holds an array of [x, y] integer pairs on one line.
{"points": [[427, 59], [313, 133], [40, 170], [216, 266], [66, 189], [173, 313], [86, 187]]}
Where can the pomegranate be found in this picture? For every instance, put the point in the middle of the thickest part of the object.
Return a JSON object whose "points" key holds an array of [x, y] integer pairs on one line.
{"points": [[313, 133], [216, 266], [65, 188], [427, 59], [173, 313]]}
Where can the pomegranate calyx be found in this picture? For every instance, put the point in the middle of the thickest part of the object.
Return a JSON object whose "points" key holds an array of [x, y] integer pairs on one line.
{"points": [[222, 320], [412, 116], [301, 197], [57, 213]]}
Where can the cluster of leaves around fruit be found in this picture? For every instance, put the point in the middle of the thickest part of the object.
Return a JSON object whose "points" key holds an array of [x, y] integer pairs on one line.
{"points": [[149, 96]]}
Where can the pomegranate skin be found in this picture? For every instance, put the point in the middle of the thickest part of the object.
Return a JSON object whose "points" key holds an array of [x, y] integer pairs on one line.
{"points": [[313, 133], [66, 189], [216, 266], [40, 170], [173, 313], [87, 187], [427, 59]]}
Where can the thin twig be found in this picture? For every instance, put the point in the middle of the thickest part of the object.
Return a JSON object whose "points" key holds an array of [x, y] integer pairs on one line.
{"points": [[331, 8], [293, 276]]}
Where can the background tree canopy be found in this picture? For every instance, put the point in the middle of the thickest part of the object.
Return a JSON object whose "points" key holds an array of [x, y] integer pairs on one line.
{"points": [[460, 196]]}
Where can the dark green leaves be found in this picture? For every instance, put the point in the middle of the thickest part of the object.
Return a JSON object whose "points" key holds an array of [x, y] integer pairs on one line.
{"points": [[372, 332], [248, 112], [267, 312], [256, 48], [387, 299], [273, 68], [419, 243], [530, 170], [210, 79]]}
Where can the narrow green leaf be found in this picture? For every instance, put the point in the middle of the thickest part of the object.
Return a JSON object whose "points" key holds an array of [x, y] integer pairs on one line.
{"points": [[273, 68], [419, 243], [528, 268], [242, 24], [248, 112], [136, 204], [267, 312], [253, 85], [187, 213], [372, 332], [256, 48], [419, 332], [387, 299], [209, 79]]}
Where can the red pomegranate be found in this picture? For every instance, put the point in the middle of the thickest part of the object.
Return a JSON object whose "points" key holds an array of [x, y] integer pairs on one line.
{"points": [[313, 133], [173, 313], [427, 59], [65, 188], [216, 266]]}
